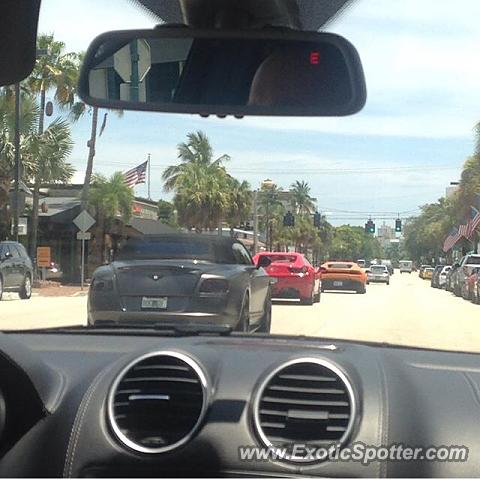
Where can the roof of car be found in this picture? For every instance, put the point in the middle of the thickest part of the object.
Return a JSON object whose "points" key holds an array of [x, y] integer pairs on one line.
{"points": [[189, 236]]}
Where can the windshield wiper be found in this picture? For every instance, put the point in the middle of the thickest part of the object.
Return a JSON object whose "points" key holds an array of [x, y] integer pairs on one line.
{"points": [[160, 328]]}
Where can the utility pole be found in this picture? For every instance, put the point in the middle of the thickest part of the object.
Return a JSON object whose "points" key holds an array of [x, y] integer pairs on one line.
{"points": [[255, 222], [17, 162]]}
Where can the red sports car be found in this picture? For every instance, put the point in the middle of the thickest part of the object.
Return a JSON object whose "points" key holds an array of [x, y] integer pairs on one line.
{"points": [[296, 277]]}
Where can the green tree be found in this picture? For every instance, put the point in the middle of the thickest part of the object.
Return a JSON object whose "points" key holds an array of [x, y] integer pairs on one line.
{"points": [[240, 199], [200, 182], [302, 202], [166, 212], [352, 243], [109, 198]]}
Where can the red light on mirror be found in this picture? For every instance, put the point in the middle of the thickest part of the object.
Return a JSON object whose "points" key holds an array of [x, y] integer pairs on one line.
{"points": [[314, 58]]}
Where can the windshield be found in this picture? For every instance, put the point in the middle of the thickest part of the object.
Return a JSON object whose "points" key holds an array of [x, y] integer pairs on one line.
{"points": [[106, 197]]}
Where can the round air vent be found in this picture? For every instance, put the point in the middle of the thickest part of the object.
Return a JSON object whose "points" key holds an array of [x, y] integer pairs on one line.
{"points": [[306, 402], [157, 402]]}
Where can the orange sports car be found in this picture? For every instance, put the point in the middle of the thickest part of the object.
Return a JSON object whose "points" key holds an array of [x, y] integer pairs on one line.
{"points": [[338, 275]]}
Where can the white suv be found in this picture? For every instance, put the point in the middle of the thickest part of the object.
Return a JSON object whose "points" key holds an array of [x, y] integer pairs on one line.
{"points": [[467, 264]]}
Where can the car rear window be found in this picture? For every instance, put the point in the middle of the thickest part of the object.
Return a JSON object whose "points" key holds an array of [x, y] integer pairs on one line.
{"points": [[345, 266], [473, 260], [283, 258], [191, 249], [378, 269]]}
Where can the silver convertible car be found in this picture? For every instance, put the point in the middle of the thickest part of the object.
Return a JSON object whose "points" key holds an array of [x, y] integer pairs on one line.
{"points": [[182, 279]]}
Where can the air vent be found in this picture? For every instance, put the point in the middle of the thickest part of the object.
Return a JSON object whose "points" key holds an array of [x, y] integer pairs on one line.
{"points": [[305, 402], [157, 402]]}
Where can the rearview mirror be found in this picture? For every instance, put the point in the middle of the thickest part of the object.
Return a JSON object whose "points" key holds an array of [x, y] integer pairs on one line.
{"points": [[221, 72]]}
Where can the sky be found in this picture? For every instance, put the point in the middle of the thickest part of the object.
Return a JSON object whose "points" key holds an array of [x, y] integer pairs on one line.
{"points": [[401, 151]]}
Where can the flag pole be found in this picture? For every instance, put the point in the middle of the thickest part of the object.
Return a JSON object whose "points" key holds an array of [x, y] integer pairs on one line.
{"points": [[148, 184]]}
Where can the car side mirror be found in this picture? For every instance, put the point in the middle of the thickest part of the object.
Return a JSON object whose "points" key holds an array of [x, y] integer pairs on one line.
{"points": [[264, 262], [321, 270]]}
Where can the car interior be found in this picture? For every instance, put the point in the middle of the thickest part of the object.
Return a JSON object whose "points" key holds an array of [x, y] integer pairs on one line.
{"points": [[145, 402]]}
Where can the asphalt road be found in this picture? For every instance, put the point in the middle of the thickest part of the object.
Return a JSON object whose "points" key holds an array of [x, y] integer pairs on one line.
{"points": [[408, 312]]}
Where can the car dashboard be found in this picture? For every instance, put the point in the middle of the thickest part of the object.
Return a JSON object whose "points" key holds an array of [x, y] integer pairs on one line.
{"points": [[87, 405]]}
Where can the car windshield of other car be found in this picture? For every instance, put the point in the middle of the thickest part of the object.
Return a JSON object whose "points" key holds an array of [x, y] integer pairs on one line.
{"points": [[172, 217]]}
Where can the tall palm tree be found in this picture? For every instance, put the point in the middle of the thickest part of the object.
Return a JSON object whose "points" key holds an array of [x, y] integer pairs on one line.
{"points": [[109, 198], [302, 202], [54, 70], [47, 154], [200, 182], [239, 202], [271, 211]]}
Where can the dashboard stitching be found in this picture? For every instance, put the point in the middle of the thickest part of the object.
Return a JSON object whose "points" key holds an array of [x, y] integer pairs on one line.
{"points": [[77, 426], [58, 396], [384, 465], [473, 386], [380, 413]]}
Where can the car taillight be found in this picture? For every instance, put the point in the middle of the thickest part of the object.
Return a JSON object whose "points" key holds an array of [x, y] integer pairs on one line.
{"points": [[217, 286], [298, 270]]}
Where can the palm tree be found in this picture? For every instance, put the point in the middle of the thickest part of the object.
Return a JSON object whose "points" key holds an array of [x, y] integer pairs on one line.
{"points": [[47, 154], [302, 202], [109, 198], [239, 202], [54, 70], [271, 211], [201, 184]]}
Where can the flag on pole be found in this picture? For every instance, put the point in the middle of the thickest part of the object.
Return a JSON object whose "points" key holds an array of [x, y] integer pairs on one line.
{"points": [[453, 237], [136, 175], [462, 230], [474, 221]]}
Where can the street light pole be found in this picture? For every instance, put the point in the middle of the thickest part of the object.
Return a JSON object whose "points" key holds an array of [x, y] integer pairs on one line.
{"points": [[17, 162]]}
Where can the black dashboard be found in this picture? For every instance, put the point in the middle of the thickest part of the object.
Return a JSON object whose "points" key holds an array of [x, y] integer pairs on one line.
{"points": [[81, 405]]}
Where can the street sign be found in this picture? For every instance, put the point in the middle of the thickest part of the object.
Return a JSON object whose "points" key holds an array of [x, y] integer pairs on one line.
{"points": [[44, 256], [84, 235], [84, 221], [122, 61]]}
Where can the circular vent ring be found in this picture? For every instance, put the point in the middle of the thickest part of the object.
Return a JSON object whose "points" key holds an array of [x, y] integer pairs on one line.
{"points": [[190, 375], [270, 411]]}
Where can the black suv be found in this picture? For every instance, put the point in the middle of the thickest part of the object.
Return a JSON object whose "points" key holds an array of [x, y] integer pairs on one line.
{"points": [[16, 270]]}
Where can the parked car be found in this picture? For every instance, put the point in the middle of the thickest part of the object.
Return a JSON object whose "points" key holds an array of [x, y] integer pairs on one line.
{"points": [[468, 287], [295, 276], [450, 278], [346, 276], [16, 270], [442, 278], [378, 274], [435, 281], [466, 266], [422, 269], [406, 266], [428, 273], [182, 279]]}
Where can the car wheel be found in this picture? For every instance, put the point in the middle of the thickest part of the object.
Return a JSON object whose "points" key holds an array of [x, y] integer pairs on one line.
{"points": [[26, 289], [244, 319], [388, 283], [310, 300], [362, 290], [1, 287], [266, 322], [317, 297]]}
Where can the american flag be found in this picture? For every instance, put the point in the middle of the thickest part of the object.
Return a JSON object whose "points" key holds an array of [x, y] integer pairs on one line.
{"points": [[473, 222], [462, 230], [136, 175], [453, 237]]}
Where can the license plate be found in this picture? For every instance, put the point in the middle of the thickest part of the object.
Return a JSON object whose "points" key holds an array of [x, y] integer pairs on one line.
{"points": [[338, 284], [157, 303]]}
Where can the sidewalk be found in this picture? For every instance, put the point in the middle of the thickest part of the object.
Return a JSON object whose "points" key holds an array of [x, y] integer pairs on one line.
{"points": [[55, 289]]}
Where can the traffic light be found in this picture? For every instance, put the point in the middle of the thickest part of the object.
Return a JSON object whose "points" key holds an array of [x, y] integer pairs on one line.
{"points": [[317, 220], [289, 220], [398, 225], [370, 227]]}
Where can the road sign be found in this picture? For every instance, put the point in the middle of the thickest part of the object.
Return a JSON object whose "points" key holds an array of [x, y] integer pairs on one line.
{"points": [[84, 235], [44, 256], [84, 221], [122, 61]]}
